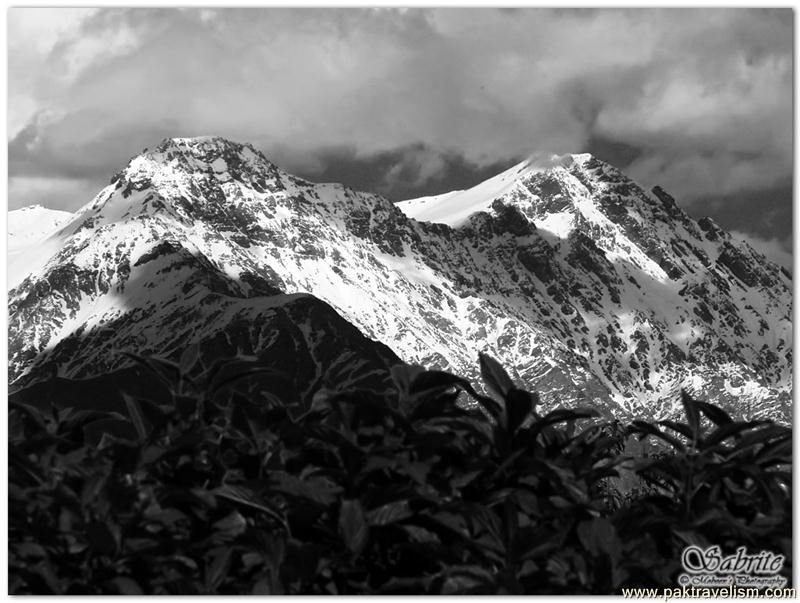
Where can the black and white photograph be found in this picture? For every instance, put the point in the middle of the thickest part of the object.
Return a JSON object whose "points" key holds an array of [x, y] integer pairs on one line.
{"points": [[400, 301]]}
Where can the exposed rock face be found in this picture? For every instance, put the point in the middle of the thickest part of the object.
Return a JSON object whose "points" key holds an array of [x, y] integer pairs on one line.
{"points": [[661, 300], [586, 287]]}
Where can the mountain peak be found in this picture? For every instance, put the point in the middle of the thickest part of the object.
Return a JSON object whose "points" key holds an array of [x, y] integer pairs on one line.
{"points": [[201, 152], [555, 171], [180, 162], [204, 146], [185, 177], [540, 162]]}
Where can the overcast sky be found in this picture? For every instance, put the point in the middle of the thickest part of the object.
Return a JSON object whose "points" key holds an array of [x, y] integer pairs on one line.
{"points": [[413, 102]]}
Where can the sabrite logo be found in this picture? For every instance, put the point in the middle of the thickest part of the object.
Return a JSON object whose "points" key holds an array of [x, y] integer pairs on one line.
{"points": [[708, 567]]}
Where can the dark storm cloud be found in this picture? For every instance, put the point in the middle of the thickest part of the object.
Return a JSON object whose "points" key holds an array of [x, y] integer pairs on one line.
{"points": [[98, 156], [618, 154], [405, 173], [768, 211], [408, 102]]}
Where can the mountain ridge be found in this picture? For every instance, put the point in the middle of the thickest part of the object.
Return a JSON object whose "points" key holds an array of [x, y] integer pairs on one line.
{"points": [[542, 276]]}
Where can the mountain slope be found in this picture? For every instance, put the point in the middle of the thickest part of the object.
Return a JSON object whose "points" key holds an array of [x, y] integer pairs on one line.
{"points": [[698, 295], [28, 246], [587, 287], [121, 276], [455, 207]]}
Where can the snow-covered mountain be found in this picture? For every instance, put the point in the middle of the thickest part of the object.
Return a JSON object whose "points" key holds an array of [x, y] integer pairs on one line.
{"points": [[28, 232], [585, 286]]}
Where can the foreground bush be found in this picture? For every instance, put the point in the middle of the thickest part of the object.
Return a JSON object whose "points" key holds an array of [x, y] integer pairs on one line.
{"points": [[363, 492]]}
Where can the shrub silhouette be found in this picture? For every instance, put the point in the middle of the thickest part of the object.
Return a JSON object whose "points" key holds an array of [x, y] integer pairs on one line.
{"points": [[403, 491]]}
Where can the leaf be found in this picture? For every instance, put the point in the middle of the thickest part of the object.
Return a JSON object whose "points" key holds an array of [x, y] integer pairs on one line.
{"points": [[421, 535], [495, 376], [778, 452], [460, 427], [599, 537], [231, 525], [714, 413], [321, 401], [247, 497], [511, 524], [724, 432], [681, 428], [137, 417], [168, 517], [519, 406], [766, 432], [429, 399], [389, 513], [353, 526], [403, 375], [452, 522], [654, 471], [189, 358], [28, 550], [378, 463], [158, 367], [31, 412], [692, 414], [127, 586], [560, 415], [417, 471], [45, 570], [201, 496], [462, 480], [262, 587], [467, 579], [318, 488], [401, 586], [692, 538], [491, 406], [151, 454], [237, 369], [77, 420], [217, 568], [430, 381]]}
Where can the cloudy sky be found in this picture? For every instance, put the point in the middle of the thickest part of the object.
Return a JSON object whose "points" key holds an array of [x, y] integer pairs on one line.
{"points": [[414, 102]]}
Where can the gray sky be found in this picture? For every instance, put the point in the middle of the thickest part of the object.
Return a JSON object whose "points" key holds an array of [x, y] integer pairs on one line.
{"points": [[415, 102]]}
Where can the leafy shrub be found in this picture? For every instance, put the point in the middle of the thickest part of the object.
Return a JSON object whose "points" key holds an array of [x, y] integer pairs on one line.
{"points": [[405, 491]]}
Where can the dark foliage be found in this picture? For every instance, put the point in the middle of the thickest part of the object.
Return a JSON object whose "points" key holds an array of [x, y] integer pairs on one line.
{"points": [[402, 491]]}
